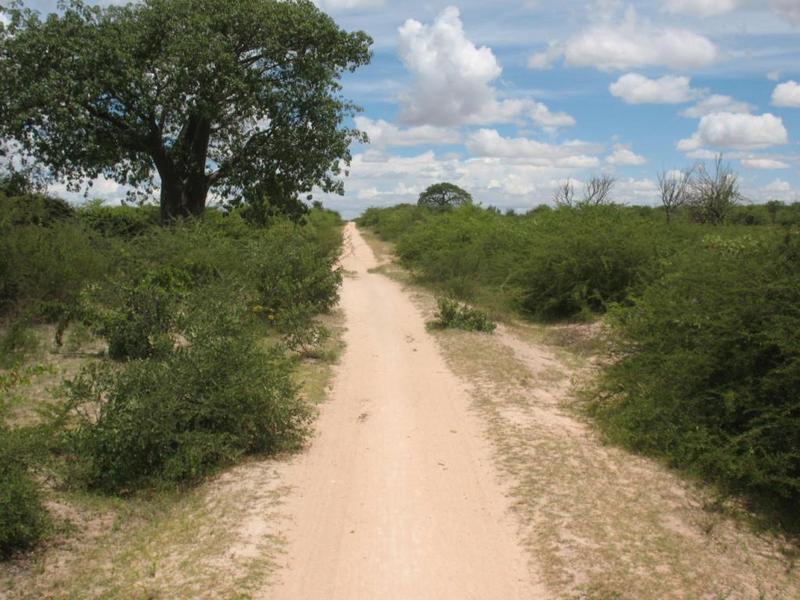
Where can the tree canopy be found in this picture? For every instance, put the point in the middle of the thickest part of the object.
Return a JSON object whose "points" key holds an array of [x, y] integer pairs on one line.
{"points": [[238, 97], [443, 196]]}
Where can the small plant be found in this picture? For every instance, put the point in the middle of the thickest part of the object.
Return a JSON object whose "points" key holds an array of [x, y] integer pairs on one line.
{"points": [[23, 519], [453, 315]]}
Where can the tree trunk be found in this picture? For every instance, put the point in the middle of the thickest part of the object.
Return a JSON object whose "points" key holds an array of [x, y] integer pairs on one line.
{"points": [[184, 184]]}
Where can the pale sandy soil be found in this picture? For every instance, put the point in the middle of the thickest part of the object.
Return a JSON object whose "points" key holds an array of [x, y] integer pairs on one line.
{"points": [[397, 496]]}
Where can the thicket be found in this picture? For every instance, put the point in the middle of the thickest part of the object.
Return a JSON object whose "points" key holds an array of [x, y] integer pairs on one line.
{"points": [[548, 264], [704, 370], [707, 366], [188, 383]]}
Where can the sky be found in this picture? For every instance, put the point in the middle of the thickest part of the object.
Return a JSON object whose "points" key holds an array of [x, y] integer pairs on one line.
{"points": [[509, 98]]}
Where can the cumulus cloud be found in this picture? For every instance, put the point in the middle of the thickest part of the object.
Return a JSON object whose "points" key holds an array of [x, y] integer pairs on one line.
{"points": [[489, 143], [716, 103], [383, 134], [764, 163], [638, 89], [787, 94], [452, 79], [736, 130], [452, 75], [623, 156], [636, 43]]}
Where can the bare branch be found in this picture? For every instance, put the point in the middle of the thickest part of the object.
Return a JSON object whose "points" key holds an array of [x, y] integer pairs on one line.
{"points": [[564, 194], [597, 190], [675, 190]]}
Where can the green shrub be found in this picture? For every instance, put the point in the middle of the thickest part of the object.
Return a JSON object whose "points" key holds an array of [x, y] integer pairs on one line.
{"points": [[45, 265], [550, 264], [137, 318], [118, 221], [707, 369], [177, 418], [34, 209], [17, 342], [453, 315], [292, 269], [23, 519]]}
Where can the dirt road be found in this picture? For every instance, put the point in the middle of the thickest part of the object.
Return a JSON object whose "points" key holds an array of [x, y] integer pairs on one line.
{"points": [[397, 496]]}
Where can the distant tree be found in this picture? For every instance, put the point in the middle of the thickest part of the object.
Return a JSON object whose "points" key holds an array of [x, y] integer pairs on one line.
{"points": [[238, 97], [564, 194], [597, 190], [714, 193], [773, 206], [675, 189], [442, 196]]}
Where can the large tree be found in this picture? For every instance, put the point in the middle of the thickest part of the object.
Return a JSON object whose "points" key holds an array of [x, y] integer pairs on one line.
{"points": [[241, 97], [443, 196]]}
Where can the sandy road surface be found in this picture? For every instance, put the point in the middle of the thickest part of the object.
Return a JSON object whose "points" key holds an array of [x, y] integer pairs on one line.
{"points": [[397, 496]]}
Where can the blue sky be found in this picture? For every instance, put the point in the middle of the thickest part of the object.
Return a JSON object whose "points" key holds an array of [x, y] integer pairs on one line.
{"points": [[509, 98]]}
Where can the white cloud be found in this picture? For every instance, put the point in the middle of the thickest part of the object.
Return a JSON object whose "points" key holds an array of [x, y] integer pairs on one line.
{"points": [[774, 75], [638, 89], [701, 8], [779, 185], [635, 191], [702, 154], [788, 8], [732, 130], [635, 43], [544, 117], [710, 8], [541, 61], [716, 103], [764, 163], [625, 156], [383, 134], [452, 76], [452, 80], [334, 5], [786, 94], [489, 143]]}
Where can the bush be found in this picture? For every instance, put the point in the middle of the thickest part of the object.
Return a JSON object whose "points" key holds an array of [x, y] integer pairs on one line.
{"points": [[118, 221], [178, 418], [34, 209], [707, 373], [453, 315], [23, 519], [294, 271], [138, 319], [581, 261], [550, 264], [45, 265]]}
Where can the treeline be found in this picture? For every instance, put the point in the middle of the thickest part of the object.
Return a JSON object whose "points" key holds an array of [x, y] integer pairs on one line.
{"points": [[704, 368], [203, 322]]}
